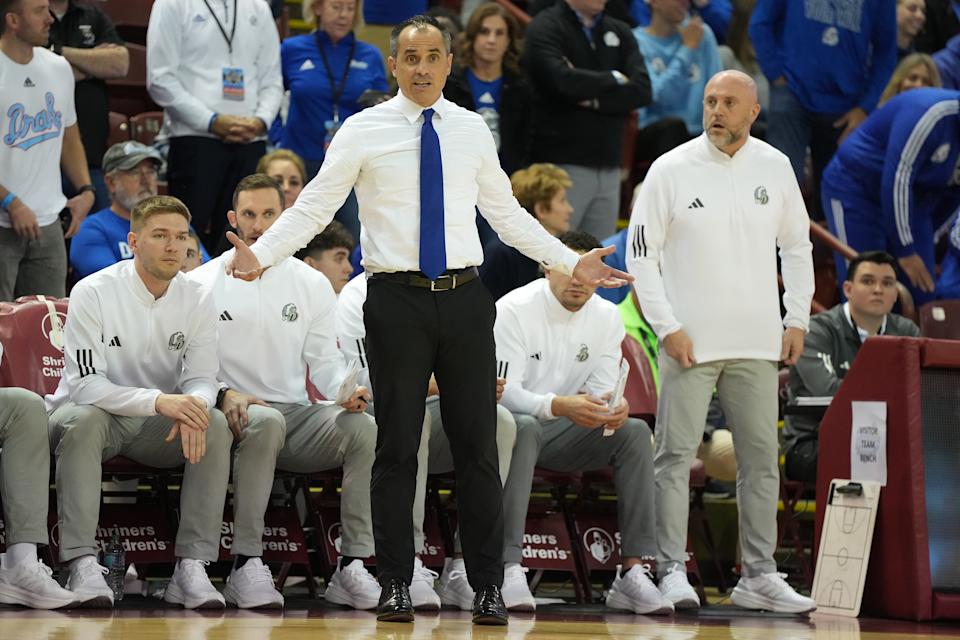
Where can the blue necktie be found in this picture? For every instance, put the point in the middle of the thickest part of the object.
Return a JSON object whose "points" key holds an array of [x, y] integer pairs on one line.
{"points": [[433, 250]]}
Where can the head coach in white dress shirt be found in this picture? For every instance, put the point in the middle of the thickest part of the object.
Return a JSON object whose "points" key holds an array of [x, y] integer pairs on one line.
{"points": [[420, 165]]}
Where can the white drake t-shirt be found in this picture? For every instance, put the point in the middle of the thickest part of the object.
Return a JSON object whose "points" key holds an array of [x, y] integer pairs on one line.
{"points": [[36, 105]]}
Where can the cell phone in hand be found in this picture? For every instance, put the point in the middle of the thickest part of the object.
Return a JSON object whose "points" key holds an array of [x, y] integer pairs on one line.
{"points": [[65, 218]]}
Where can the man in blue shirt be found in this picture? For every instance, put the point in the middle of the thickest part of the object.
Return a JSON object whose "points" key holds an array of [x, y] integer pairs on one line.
{"points": [[130, 171], [715, 13], [896, 180], [827, 64], [681, 55]]}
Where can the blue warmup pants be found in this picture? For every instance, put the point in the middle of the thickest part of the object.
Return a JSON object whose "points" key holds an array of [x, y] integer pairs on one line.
{"points": [[856, 221]]}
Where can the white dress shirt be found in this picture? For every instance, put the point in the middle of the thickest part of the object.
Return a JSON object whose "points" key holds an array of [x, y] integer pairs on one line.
{"points": [[545, 351], [378, 151], [273, 328], [122, 347], [187, 54], [703, 242]]}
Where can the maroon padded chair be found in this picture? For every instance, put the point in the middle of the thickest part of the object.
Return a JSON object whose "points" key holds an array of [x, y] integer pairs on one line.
{"points": [[941, 320], [119, 128], [641, 389], [144, 127]]}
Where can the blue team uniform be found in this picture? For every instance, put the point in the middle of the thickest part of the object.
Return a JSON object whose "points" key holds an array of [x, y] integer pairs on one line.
{"points": [[896, 179], [948, 285]]}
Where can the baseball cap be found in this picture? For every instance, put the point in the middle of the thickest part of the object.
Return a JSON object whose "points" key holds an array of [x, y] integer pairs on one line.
{"points": [[127, 155]]}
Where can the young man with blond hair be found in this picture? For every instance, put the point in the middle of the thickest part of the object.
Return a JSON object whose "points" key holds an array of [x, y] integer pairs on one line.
{"points": [[140, 344], [541, 189]]}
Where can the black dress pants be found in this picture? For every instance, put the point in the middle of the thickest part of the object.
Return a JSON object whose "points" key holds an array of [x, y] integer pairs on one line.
{"points": [[203, 172], [411, 333]]}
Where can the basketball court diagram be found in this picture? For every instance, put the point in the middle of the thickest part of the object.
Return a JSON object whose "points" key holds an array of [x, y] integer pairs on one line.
{"points": [[845, 547]]}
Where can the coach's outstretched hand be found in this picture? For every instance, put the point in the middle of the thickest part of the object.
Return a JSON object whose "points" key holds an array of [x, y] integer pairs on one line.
{"points": [[592, 270], [244, 263]]}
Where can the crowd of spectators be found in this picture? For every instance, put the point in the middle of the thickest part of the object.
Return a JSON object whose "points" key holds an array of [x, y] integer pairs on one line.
{"points": [[863, 98], [558, 90]]}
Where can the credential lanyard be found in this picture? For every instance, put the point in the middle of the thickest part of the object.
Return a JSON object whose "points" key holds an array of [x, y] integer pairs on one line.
{"points": [[223, 32], [337, 90]]}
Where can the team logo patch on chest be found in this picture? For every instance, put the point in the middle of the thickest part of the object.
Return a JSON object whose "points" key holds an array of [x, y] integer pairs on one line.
{"points": [[760, 195], [289, 313], [583, 354], [176, 341], [86, 32]]}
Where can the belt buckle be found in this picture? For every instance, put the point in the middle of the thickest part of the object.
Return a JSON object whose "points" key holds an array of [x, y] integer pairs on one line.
{"points": [[452, 278]]}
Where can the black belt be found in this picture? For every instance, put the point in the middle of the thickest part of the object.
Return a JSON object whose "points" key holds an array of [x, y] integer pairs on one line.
{"points": [[451, 279]]}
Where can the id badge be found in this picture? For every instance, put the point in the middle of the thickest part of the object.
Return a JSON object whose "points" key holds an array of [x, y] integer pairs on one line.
{"points": [[233, 87], [331, 126]]}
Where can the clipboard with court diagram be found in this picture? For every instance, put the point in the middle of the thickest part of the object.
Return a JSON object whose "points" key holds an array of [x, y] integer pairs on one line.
{"points": [[845, 546]]}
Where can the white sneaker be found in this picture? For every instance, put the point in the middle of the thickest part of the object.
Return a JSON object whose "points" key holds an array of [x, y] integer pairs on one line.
{"points": [[31, 584], [516, 592], [770, 592], [453, 587], [87, 583], [634, 591], [676, 588], [251, 587], [191, 587], [421, 589], [353, 586]]}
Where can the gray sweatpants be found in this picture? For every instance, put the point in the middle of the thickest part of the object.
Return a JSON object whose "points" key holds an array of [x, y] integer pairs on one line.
{"points": [[24, 466], [304, 439], [83, 436], [561, 445], [595, 198], [440, 459], [33, 267], [748, 393]]}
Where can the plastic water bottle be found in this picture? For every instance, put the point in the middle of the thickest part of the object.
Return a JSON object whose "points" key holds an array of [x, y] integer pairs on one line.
{"points": [[115, 560]]}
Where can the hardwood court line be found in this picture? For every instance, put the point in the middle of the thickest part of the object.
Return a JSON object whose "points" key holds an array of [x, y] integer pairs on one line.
{"points": [[300, 625]]}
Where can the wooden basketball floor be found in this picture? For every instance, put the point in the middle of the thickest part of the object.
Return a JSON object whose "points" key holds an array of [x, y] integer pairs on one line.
{"points": [[139, 619]]}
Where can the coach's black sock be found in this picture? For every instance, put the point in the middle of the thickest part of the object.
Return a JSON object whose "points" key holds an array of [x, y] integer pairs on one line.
{"points": [[240, 561]]}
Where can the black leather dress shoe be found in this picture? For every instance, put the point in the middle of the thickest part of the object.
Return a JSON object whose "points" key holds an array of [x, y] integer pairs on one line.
{"points": [[395, 604], [488, 607]]}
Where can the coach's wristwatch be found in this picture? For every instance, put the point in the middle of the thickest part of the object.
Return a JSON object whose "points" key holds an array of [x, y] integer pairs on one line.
{"points": [[87, 187], [220, 396]]}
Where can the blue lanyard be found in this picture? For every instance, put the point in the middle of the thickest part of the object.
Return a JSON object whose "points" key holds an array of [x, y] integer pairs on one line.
{"points": [[337, 90]]}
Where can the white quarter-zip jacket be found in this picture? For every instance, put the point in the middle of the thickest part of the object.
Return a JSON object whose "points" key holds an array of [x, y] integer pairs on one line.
{"points": [[545, 351], [274, 328], [703, 242], [351, 332], [123, 347]]}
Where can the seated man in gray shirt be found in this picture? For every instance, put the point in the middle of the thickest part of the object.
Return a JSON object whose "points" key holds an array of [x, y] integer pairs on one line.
{"points": [[832, 344]]}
